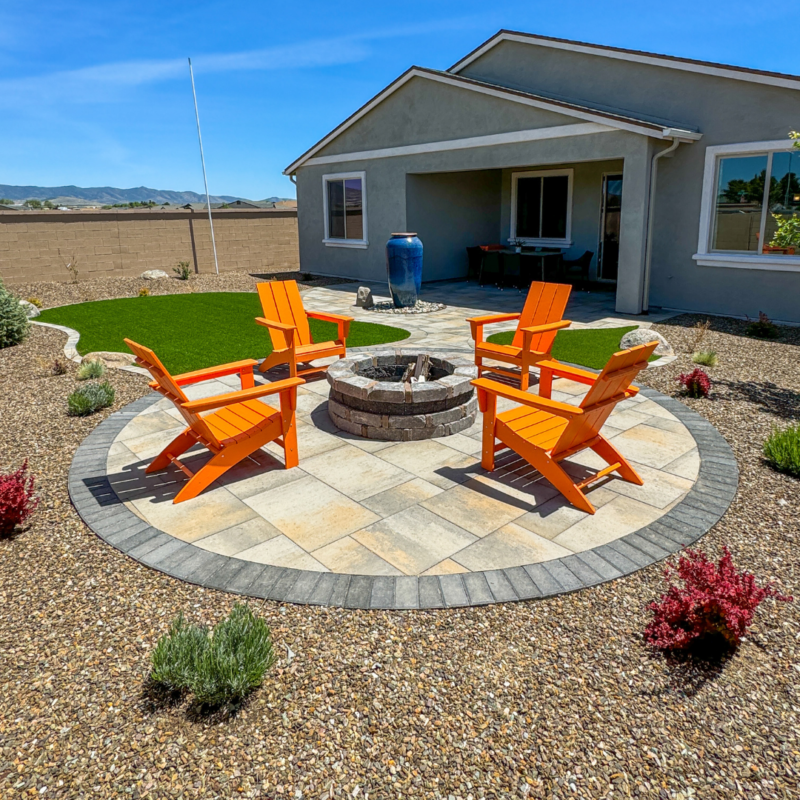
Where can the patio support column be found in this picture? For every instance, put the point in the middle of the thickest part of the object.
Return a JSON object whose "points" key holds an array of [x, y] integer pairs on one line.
{"points": [[633, 225]]}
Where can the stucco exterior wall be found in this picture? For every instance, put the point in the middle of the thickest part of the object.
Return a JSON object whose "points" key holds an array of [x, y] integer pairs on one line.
{"points": [[726, 111]]}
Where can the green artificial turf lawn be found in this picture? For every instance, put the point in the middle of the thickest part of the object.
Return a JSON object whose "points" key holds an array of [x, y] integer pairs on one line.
{"points": [[590, 347], [192, 331]]}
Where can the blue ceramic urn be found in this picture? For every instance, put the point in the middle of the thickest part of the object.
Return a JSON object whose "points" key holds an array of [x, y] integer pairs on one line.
{"points": [[404, 268]]}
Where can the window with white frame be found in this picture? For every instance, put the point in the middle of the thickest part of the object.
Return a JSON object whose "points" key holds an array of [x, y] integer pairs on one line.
{"points": [[750, 215], [345, 209], [541, 207]]}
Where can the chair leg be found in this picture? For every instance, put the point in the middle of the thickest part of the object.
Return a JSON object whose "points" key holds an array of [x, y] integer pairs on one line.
{"points": [[545, 383], [177, 447], [479, 365], [524, 377], [488, 404], [611, 455], [288, 405]]}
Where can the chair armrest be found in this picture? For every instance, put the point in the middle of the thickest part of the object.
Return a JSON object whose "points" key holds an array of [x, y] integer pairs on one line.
{"points": [[476, 323], [341, 321], [186, 378], [229, 398], [549, 326], [523, 398], [289, 331], [565, 371]]}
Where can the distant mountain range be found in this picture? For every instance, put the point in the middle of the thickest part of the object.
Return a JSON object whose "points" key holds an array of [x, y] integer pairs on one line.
{"points": [[108, 195]]}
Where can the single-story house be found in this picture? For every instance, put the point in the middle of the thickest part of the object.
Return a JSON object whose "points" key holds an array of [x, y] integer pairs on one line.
{"points": [[674, 173]]}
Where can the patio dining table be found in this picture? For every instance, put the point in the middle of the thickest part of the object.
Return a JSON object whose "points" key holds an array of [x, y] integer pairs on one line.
{"points": [[540, 253]]}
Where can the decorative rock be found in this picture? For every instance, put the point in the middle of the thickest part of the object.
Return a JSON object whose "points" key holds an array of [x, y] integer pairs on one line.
{"points": [[153, 275], [30, 309], [364, 297], [112, 359], [643, 336]]}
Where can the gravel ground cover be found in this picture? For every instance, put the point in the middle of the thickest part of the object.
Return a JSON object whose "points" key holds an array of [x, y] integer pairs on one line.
{"points": [[552, 699], [52, 293]]}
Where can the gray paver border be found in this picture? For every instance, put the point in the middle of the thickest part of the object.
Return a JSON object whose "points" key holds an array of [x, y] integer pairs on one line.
{"points": [[701, 508]]}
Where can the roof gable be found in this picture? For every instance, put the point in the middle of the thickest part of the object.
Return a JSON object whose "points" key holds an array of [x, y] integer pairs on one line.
{"points": [[638, 56], [564, 109]]}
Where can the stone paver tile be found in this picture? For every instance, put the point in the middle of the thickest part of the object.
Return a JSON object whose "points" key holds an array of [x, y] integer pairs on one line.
{"points": [[319, 387], [150, 445], [653, 447], [660, 489], [196, 391], [510, 546], [627, 418], [414, 540], [463, 442], [257, 474], [354, 472], [280, 551], [241, 537], [119, 457], [210, 512], [569, 387], [557, 515], [446, 567], [617, 518], [348, 555], [646, 406], [685, 466], [384, 504], [145, 424], [477, 506], [311, 513], [310, 402], [311, 441]]}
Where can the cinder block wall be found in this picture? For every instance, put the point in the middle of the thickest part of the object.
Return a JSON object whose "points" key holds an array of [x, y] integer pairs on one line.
{"points": [[126, 243]]}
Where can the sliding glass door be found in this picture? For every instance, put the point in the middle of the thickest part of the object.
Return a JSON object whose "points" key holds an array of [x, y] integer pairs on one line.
{"points": [[610, 210]]}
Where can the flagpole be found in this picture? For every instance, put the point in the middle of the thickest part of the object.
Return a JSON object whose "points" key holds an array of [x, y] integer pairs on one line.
{"points": [[203, 162]]}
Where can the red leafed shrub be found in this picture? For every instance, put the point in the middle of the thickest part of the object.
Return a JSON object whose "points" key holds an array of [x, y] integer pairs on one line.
{"points": [[17, 502], [696, 383], [715, 601]]}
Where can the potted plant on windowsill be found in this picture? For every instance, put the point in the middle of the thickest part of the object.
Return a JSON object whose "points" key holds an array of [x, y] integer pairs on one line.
{"points": [[786, 238]]}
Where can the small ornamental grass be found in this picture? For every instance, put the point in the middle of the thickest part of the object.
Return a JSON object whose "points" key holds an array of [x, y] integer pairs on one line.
{"points": [[219, 667], [35, 301], [17, 501], [90, 369], [782, 450], [90, 398], [14, 323], [695, 383], [714, 607], [182, 270], [707, 358], [144, 292], [764, 328]]}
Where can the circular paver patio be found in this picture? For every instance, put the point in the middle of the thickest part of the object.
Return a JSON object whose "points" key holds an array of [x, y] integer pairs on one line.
{"points": [[375, 524]]}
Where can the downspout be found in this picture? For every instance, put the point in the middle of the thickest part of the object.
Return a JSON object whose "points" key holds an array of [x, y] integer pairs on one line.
{"points": [[293, 179], [648, 252]]}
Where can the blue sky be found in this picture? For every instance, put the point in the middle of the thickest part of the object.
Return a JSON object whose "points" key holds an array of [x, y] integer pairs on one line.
{"points": [[98, 94]]}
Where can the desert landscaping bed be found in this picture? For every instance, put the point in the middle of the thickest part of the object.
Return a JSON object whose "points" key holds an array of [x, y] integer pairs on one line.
{"points": [[555, 698]]}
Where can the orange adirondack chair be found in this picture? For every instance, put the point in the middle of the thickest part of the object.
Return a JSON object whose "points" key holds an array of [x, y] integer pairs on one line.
{"points": [[239, 426], [544, 431], [539, 321], [287, 321]]}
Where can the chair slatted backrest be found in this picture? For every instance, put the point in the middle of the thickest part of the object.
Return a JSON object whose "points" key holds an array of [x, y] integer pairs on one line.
{"points": [[281, 302], [608, 390], [546, 302], [146, 358]]}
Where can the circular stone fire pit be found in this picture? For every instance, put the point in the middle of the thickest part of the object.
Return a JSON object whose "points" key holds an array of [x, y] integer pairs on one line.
{"points": [[368, 397]]}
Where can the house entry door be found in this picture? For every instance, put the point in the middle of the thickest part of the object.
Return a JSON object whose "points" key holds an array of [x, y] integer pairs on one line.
{"points": [[608, 251]]}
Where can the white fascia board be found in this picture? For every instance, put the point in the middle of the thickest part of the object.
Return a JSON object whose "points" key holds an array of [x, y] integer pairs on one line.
{"points": [[511, 95], [719, 71], [493, 140]]}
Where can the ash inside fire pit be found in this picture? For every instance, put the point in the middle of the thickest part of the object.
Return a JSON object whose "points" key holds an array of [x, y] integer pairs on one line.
{"points": [[370, 398]]}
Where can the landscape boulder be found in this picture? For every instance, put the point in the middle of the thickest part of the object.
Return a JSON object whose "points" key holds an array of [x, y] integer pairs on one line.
{"points": [[153, 275], [364, 297], [30, 309], [643, 336], [112, 359]]}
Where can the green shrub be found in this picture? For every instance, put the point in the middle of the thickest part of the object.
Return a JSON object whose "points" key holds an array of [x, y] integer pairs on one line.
{"points": [[14, 323], [219, 668], [176, 655], [182, 270], [90, 369], [35, 301], [708, 358], [782, 450], [764, 328], [90, 398]]}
